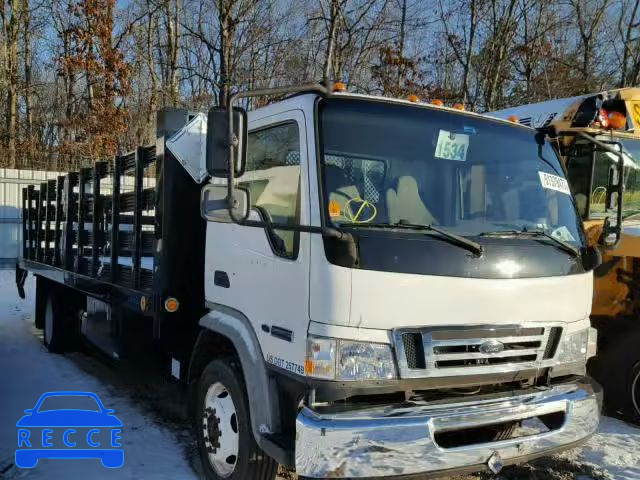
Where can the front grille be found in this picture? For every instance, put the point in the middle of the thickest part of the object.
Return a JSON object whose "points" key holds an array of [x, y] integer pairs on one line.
{"points": [[437, 352], [413, 350], [552, 344]]}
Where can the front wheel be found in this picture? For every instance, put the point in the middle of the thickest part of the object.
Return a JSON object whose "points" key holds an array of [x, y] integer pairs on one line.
{"points": [[223, 427]]}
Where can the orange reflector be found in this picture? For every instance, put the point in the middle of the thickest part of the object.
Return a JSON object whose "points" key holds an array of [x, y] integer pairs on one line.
{"points": [[458, 106], [513, 118], [617, 120], [339, 87], [437, 102], [308, 367], [171, 304], [413, 98]]}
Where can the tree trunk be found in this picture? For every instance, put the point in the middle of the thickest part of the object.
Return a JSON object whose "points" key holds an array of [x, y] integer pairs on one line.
{"points": [[12, 30], [226, 39], [173, 45], [401, 67], [151, 65], [331, 40], [27, 71]]}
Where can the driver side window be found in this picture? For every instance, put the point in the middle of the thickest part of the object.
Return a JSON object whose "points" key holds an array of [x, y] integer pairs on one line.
{"points": [[272, 175]]}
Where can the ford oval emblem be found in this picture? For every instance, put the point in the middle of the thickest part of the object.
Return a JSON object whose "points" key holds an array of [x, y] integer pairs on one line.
{"points": [[492, 346]]}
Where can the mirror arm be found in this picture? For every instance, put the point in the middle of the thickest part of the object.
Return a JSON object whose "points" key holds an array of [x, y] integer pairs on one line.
{"points": [[328, 232], [233, 140]]}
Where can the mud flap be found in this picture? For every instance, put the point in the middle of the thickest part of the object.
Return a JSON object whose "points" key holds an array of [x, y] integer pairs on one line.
{"points": [[21, 277]]}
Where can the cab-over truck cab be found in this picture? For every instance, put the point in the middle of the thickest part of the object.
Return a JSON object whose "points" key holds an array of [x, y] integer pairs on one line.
{"points": [[409, 284], [355, 287]]}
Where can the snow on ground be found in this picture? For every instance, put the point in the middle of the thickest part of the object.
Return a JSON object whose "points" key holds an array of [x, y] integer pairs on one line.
{"points": [[156, 438], [615, 448], [151, 450]]}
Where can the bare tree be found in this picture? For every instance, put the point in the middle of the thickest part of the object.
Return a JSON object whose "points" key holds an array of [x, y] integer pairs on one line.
{"points": [[12, 17], [629, 27], [462, 45], [588, 18]]}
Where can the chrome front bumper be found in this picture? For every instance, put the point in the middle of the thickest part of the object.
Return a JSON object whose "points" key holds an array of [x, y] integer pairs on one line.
{"points": [[401, 440]]}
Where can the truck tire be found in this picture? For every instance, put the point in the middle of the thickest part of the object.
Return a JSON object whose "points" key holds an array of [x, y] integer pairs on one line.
{"points": [[223, 426], [620, 376], [54, 334]]}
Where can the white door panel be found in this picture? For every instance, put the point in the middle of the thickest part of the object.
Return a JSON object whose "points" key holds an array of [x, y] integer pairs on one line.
{"points": [[268, 289]]}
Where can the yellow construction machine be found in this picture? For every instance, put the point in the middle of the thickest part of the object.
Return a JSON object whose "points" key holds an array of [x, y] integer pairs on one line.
{"points": [[598, 138]]}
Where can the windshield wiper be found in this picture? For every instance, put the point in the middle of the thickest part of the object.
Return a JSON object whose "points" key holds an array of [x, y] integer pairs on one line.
{"points": [[452, 237], [536, 232]]}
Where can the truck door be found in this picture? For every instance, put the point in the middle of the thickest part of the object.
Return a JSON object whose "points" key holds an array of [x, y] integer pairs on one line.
{"points": [[265, 275]]}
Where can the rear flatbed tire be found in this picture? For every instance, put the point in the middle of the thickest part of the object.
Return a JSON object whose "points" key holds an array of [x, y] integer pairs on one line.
{"points": [[53, 335]]}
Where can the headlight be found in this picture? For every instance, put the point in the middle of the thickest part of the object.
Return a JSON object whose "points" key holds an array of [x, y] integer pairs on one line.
{"points": [[336, 359], [592, 346], [573, 347]]}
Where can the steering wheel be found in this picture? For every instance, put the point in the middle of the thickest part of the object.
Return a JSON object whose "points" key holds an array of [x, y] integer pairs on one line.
{"points": [[364, 205]]}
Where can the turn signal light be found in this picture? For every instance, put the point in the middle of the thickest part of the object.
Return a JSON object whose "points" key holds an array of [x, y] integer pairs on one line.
{"points": [[308, 367], [513, 118], [171, 304], [339, 87]]}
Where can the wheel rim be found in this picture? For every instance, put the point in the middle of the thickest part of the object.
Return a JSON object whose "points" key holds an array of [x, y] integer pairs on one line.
{"points": [[48, 322], [635, 389], [220, 425]]}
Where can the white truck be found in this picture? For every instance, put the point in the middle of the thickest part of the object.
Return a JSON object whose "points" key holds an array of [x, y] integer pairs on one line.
{"points": [[355, 286]]}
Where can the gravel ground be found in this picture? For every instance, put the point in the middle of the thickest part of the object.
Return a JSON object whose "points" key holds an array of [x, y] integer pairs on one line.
{"points": [[153, 411]]}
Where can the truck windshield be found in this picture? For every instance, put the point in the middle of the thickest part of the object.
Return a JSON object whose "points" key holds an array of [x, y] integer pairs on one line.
{"points": [[392, 164]]}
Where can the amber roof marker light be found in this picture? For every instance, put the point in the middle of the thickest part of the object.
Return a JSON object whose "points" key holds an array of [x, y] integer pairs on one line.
{"points": [[339, 87]]}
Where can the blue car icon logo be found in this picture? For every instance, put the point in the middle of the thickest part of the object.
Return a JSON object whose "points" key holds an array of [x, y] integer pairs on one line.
{"points": [[53, 430]]}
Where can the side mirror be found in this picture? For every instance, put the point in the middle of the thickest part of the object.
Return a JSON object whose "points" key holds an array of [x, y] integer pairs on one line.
{"points": [[214, 203], [611, 234], [221, 139], [612, 227], [613, 187], [591, 258]]}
